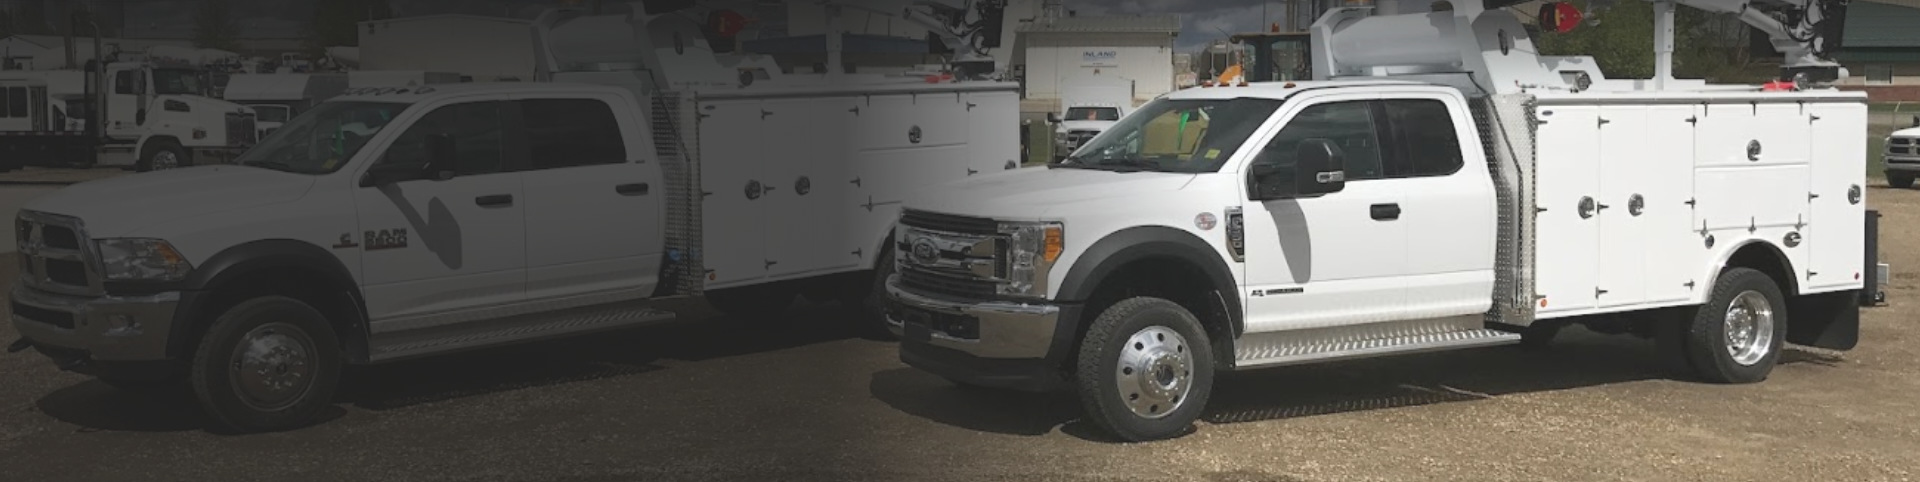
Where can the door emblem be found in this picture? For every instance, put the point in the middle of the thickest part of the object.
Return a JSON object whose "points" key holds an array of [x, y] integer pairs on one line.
{"points": [[386, 239], [924, 252]]}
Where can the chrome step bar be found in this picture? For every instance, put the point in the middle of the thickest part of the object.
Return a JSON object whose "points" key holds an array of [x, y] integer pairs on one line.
{"points": [[1365, 341], [467, 336]]}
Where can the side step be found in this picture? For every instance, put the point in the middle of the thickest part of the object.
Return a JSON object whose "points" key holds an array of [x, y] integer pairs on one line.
{"points": [[437, 340], [1343, 343]]}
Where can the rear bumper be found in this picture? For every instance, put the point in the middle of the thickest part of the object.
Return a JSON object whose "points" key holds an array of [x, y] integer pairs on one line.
{"points": [[1011, 345], [100, 329]]}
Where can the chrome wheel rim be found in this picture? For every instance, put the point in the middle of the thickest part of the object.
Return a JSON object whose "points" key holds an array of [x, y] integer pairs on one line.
{"points": [[165, 160], [1749, 327], [272, 366], [1155, 372]]}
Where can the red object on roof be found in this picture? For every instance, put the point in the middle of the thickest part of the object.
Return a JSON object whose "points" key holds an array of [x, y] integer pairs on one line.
{"points": [[1779, 86]]}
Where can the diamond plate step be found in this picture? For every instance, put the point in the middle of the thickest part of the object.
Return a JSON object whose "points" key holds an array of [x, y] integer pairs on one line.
{"points": [[1292, 354], [468, 336]]}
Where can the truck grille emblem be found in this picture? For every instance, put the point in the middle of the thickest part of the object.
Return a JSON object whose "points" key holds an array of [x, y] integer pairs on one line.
{"points": [[924, 252]]}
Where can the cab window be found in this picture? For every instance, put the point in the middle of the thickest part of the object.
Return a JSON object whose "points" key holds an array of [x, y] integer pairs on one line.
{"points": [[1349, 125], [476, 130]]}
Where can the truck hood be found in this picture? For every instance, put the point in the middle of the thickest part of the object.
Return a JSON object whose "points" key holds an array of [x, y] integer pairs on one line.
{"points": [[125, 205], [1908, 132], [206, 104], [1031, 193], [1086, 125]]}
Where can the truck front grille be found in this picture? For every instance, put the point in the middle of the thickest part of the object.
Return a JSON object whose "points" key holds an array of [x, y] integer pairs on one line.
{"points": [[55, 254], [949, 223], [241, 129], [1903, 146], [963, 257], [965, 288]]}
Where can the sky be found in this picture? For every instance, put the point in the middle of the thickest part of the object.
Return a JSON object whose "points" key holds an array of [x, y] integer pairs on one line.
{"points": [[1203, 20]]}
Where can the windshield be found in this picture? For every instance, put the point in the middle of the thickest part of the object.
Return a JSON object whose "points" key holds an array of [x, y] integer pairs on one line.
{"points": [[270, 112], [177, 82], [1175, 136], [321, 140], [1093, 114]]}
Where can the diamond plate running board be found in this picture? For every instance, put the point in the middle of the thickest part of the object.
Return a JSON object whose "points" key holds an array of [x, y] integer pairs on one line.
{"points": [[466, 336], [1279, 352]]}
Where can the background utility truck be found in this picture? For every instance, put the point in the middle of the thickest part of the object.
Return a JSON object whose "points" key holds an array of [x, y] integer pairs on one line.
{"points": [[1089, 104], [1455, 191], [393, 223], [143, 115]]}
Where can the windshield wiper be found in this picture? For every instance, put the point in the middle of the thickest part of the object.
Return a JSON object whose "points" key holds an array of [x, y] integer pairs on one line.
{"points": [[1128, 164]]}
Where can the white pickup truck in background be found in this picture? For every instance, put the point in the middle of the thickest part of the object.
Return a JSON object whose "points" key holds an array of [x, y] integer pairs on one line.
{"points": [[1089, 105], [1373, 213], [1902, 156]]}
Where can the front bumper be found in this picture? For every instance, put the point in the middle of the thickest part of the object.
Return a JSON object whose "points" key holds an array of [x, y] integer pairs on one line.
{"points": [[1019, 346], [106, 328], [1903, 163]]}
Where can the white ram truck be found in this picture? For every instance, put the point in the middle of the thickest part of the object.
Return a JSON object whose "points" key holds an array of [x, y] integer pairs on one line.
{"points": [[1369, 215], [1903, 156]]}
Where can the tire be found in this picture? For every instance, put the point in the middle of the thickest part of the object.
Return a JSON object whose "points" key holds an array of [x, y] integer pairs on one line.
{"points": [[1738, 335], [1130, 368], [1899, 180], [162, 155], [760, 304], [292, 380]]}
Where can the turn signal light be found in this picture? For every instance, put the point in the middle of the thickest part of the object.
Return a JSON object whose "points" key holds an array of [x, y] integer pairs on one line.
{"points": [[1053, 245]]}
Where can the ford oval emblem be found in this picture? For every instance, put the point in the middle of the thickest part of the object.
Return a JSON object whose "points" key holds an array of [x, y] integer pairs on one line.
{"points": [[924, 252]]}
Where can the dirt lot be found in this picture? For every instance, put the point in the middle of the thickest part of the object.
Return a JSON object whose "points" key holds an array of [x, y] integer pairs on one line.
{"points": [[700, 401]]}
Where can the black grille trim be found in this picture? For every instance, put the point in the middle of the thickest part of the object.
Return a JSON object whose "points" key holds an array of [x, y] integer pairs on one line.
{"points": [[43, 315], [949, 223], [947, 286]]}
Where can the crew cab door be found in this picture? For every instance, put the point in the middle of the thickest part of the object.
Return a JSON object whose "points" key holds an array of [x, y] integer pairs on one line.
{"points": [[594, 200], [433, 247]]}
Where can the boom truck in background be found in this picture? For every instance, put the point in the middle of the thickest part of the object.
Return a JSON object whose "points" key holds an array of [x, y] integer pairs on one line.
{"points": [[398, 222], [144, 115], [1439, 185]]}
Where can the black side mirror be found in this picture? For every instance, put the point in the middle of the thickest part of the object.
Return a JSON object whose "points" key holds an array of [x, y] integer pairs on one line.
{"points": [[1916, 121], [1054, 118], [440, 157], [1322, 168]]}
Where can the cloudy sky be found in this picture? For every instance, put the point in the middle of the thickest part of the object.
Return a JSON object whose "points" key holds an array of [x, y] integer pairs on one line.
{"points": [[1203, 19]]}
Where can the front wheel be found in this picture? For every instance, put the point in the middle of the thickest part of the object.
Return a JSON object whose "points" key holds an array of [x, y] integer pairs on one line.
{"points": [[162, 155], [1737, 336], [269, 364], [1145, 370]]}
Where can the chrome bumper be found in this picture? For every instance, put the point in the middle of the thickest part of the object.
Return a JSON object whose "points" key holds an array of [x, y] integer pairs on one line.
{"points": [[1005, 330], [107, 328], [1902, 163]]}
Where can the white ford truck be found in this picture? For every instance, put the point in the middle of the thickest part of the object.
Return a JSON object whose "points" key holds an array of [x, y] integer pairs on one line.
{"points": [[393, 223], [1373, 213]]}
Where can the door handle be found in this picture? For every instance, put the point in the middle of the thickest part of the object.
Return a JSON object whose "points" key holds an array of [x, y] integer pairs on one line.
{"points": [[637, 189], [1386, 212], [495, 200]]}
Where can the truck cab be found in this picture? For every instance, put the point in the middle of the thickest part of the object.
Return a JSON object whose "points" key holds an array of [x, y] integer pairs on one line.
{"points": [[163, 116]]}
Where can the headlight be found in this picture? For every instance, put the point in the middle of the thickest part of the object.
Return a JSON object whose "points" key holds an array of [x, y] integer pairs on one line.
{"points": [[141, 259], [1032, 248]]}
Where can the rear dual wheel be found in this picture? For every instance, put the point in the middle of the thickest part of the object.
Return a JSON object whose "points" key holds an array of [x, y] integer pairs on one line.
{"points": [[1736, 337]]}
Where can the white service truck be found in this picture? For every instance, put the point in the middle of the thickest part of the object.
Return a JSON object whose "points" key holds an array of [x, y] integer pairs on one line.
{"points": [[1449, 192], [1089, 105], [277, 98], [400, 222]]}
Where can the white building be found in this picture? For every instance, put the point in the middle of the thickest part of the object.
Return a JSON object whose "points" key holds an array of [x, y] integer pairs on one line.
{"points": [[1139, 48]]}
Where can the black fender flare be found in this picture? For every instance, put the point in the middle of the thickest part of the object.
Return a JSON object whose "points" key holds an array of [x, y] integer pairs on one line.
{"points": [[257, 256], [1137, 243]]}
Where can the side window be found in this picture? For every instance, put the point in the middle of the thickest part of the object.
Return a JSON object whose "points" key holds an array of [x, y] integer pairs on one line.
{"points": [[1349, 125], [1424, 136], [565, 133], [476, 131], [123, 82], [17, 103]]}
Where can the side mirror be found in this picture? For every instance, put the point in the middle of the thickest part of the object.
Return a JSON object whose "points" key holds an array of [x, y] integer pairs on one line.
{"points": [[1321, 168], [440, 157], [1054, 118], [1916, 121]]}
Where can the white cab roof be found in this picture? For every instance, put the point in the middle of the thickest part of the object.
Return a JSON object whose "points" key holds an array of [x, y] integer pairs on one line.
{"points": [[1280, 90]]}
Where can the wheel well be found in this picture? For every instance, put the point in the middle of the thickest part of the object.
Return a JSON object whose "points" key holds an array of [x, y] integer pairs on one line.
{"points": [[1765, 258], [1173, 279], [307, 285]]}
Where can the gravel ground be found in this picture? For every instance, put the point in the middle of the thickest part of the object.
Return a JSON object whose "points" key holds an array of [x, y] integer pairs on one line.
{"points": [[697, 400]]}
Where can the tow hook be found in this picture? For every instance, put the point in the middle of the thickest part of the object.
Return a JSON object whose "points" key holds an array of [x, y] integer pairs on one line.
{"points": [[19, 345]]}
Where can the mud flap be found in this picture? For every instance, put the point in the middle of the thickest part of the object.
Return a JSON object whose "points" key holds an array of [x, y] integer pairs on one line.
{"points": [[1827, 320]]}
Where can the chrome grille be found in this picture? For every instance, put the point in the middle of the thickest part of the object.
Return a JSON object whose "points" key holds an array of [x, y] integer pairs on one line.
{"points": [[950, 255], [241, 130], [55, 255], [1903, 146]]}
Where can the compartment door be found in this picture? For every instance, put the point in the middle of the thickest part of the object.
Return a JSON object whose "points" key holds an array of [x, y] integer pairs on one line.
{"points": [[733, 191], [1835, 234], [807, 145], [1567, 180], [1673, 248]]}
